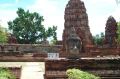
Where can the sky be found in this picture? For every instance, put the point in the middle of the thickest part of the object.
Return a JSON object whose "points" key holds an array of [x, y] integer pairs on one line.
{"points": [[53, 12]]}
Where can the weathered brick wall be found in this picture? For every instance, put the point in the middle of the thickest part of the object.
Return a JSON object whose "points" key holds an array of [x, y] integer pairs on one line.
{"points": [[41, 50], [16, 49], [16, 71], [95, 51], [106, 68]]}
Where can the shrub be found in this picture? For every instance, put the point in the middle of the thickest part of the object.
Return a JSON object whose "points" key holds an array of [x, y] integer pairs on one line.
{"points": [[78, 74], [6, 74]]}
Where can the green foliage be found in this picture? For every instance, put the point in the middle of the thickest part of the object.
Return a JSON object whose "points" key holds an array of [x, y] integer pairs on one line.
{"points": [[78, 74], [98, 39], [3, 35], [53, 42], [28, 28], [51, 31], [118, 33], [6, 74]]}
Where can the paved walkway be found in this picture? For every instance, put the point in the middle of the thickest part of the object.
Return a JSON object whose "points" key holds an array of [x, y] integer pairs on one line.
{"points": [[33, 71], [30, 70]]}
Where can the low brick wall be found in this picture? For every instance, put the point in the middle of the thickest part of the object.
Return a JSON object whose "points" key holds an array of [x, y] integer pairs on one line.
{"points": [[105, 68], [93, 52], [21, 49]]}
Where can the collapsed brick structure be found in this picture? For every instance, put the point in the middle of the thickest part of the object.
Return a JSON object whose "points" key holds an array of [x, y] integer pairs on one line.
{"points": [[111, 32], [103, 62], [106, 68], [11, 39], [76, 37], [76, 16]]}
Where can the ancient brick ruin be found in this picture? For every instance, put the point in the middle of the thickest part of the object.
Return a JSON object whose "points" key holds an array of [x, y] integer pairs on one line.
{"points": [[76, 17], [26, 52], [106, 68], [77, 38], [111, 32], [73, 44], [11, 39], [76, 49]]}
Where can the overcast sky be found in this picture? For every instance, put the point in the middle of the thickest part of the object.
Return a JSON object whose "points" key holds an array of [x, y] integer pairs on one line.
{"points": [[53, 11]]}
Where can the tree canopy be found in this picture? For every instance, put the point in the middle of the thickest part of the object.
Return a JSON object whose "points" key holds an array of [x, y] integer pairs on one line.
{"points": [[98, 39], [3, 35], [28, 28], [78, 74]]}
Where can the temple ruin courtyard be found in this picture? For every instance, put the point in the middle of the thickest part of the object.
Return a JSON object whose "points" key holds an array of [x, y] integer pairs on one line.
{"points": [[77, 49]]}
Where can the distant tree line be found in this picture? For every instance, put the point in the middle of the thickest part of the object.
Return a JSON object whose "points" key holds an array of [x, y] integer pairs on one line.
{"points": [[98, 39]]}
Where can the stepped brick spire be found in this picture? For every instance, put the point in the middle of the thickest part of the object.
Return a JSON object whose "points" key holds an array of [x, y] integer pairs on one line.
{"points": [[76, 16], [111, 32]]}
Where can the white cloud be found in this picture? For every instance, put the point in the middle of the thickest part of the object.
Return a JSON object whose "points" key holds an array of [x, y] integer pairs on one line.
{"points": [[17, 1], [6, 5], [100, 1], [116, 13], [7, 15], [97, 24]]}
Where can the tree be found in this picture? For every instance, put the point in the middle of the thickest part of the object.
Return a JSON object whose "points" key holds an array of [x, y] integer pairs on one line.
{"points": [[78, 74], [3, 35], [51, 31], [6, 74], [118, 33], [98, 39], [28, 28]]}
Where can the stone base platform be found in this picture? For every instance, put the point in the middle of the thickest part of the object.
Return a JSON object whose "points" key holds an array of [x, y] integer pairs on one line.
{"points": [[105, 67]]}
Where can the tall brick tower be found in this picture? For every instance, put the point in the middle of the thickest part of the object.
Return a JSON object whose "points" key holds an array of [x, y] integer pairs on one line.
{"points": [[76, 16], [111, 32]]}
